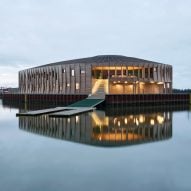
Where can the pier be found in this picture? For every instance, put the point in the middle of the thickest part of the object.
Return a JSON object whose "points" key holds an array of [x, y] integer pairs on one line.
{"points": [[73, 109]]}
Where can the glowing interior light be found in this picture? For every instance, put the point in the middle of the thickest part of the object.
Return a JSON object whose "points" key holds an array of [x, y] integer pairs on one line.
{"points": [[137, 122], [77, 86], [141, 119], [152, 121], [160, 119], [168, 115], [72, 72], [125, 120], [77, 119], [114, 121], [125, 82], [131, 116], [118, 123]]}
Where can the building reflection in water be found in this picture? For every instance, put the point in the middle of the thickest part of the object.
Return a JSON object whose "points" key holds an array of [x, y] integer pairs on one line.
{"points": [[97, 128]]}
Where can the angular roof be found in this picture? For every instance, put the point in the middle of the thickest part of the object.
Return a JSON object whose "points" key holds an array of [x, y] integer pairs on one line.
{"points": [[102, 59]]}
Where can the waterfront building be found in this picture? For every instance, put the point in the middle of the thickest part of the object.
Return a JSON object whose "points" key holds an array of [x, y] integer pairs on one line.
{"points": [[105, 74]]}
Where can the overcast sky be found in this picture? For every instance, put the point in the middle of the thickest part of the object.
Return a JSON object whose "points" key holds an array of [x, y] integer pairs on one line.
{"points": [[36, 32]]}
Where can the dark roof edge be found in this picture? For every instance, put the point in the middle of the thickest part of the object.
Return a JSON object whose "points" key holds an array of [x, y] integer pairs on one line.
{"points": [[99, 59]]}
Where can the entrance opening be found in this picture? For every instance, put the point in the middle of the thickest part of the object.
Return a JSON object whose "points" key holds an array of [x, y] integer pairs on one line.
{"points": [[100, 87]]}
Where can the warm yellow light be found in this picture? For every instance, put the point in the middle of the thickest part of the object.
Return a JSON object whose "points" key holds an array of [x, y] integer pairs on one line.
{"points": [[160, 83], [119, 123], [125, 82], [131, 86], [137, 122], [111, 137], [96, 86], [114, 121], [118, 81], [125, 120], [152, 121], [141, 119], [100, 121], [115, 67], [160, 119]]}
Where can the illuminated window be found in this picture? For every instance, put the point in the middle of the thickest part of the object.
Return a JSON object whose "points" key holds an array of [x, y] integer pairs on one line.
{"points": [[82, 72], [68, 85], [152, 122], [77, 119], [72, 72], [77, 86]]}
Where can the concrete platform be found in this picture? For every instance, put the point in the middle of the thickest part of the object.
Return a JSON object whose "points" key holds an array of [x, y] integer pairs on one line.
{"points": [[58, 111], [71, 111], [42, 111]]}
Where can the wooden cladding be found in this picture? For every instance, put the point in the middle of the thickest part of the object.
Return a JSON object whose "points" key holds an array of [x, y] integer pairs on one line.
{"points": [[77, 78]]}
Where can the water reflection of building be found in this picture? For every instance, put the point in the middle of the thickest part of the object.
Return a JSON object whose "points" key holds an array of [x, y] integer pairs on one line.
{"points": [[96, 128]]}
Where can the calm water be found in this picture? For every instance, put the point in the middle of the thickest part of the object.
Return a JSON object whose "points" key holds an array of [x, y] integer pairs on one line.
{"points": [[112, 149]]}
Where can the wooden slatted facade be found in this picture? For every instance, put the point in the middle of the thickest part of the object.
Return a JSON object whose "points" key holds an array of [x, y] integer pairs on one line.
{"points": [[119, 75]]}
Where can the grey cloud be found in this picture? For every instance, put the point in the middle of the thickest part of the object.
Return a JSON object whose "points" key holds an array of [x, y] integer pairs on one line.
{"points": [[37, 32]]}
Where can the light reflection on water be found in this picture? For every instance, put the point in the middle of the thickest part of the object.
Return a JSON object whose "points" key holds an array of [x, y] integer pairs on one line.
{"points": [[97, 128], [32, 162]]}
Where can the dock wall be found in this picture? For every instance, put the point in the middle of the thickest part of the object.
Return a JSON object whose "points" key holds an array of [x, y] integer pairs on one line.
{"points": [[148, 99], [127, 99], [46, 99]]}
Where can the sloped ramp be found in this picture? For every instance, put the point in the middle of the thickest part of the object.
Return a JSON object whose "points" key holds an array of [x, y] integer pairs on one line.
{"points": [[87, 103]]}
